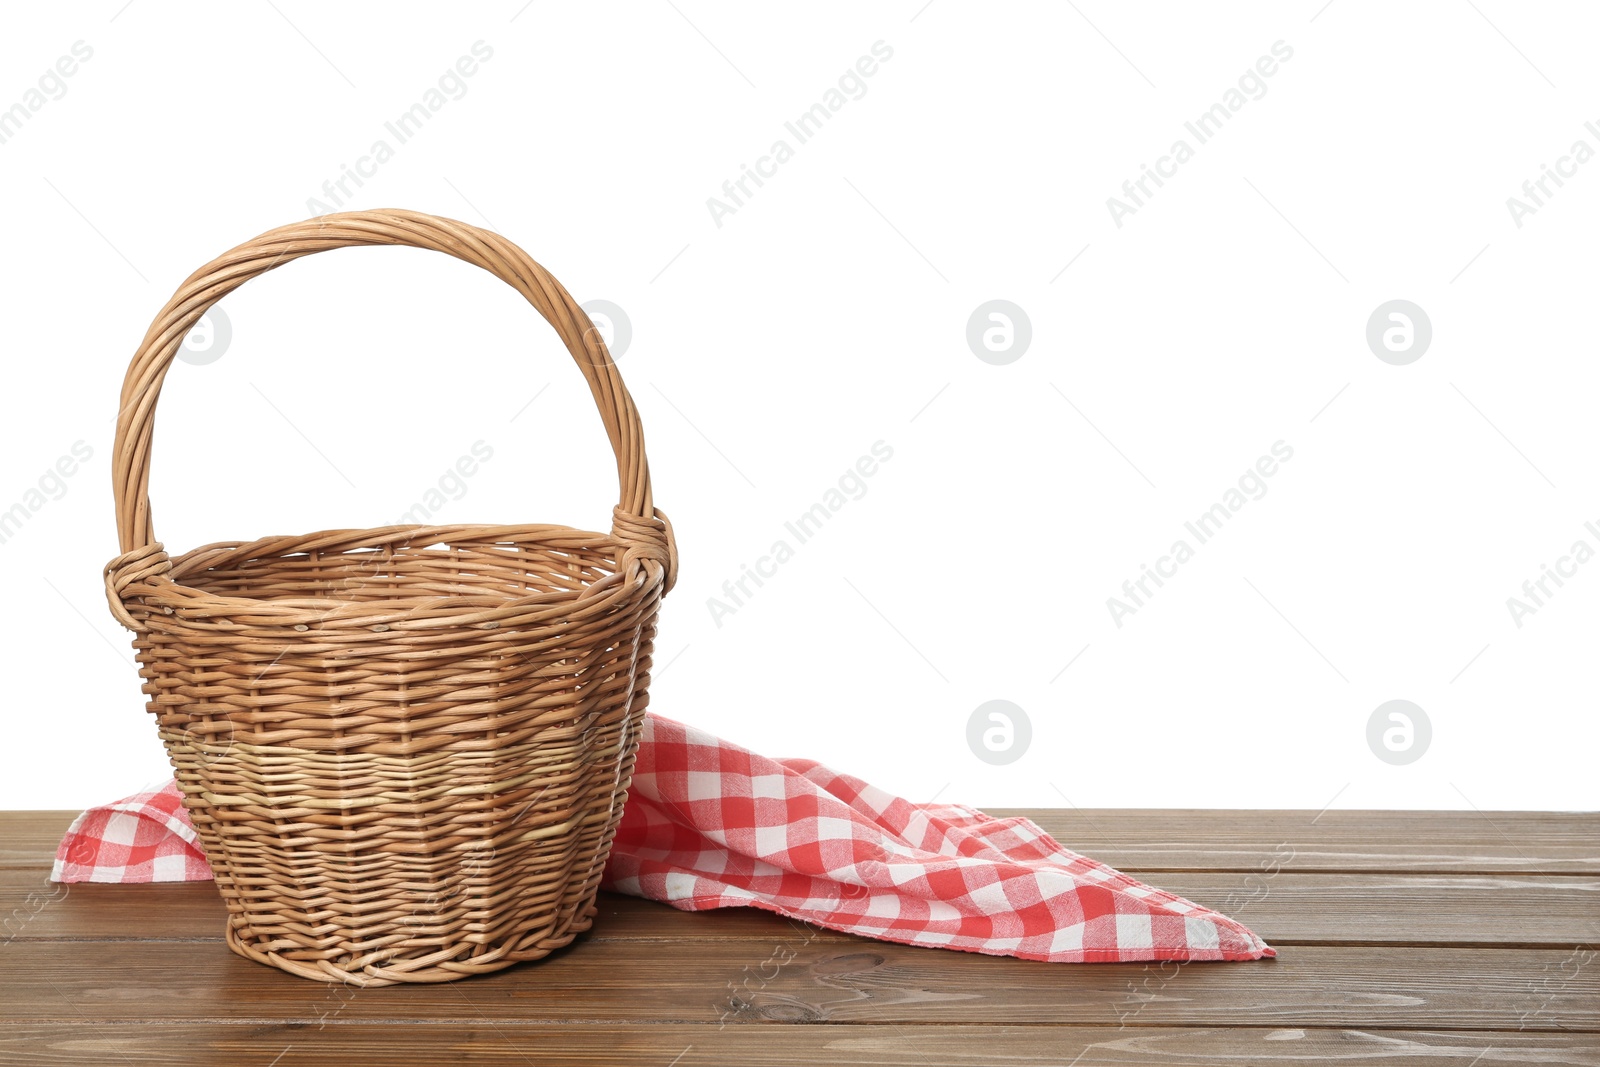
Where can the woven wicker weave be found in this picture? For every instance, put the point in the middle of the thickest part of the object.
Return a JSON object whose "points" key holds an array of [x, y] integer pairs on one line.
{"points": [[405, 749]]}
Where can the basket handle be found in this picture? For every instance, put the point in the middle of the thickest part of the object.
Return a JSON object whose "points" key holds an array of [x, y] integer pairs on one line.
{"points": [[635, 521]]}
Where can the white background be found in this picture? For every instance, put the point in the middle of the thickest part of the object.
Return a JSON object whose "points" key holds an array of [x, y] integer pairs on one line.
{"points": [[828, 313]]}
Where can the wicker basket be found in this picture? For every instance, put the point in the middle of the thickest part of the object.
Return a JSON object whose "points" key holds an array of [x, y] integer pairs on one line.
{"points": [[405, 749]]}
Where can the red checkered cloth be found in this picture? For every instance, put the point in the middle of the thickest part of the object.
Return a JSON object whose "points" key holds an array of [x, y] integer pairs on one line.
{"points": [[711, 825], [143, 838]]}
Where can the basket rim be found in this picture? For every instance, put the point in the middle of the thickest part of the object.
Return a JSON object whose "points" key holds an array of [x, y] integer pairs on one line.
{"points": [[175, 597]]}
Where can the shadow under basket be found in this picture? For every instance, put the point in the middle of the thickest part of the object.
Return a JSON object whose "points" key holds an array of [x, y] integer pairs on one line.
{"points": [[405, 750]]}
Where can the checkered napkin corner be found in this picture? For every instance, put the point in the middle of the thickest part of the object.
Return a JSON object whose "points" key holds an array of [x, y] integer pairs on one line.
{"points": [[144, 838], [709, 824]]}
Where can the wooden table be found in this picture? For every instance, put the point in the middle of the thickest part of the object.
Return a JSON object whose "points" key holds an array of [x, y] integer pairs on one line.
{"points": [[1404, 937]]}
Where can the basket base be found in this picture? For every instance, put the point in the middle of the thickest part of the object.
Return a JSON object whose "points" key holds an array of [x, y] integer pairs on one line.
{"points": [[445, 965]]}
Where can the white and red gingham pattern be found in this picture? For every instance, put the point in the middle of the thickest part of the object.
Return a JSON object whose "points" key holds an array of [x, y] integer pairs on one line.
{"points": [[144, 838], [711, 825]]}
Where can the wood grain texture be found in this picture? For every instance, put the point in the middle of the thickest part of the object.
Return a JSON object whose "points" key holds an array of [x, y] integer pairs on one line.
{"points": [[817, 981], [29, 838], [686, 1045], [1138, 839]]}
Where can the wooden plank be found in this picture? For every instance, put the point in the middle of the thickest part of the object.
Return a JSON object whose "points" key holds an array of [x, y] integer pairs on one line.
{"points": [[1286, 909], [1153, 839], [63, 982], [863, 1045], [32, 908], [29, 838]]}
